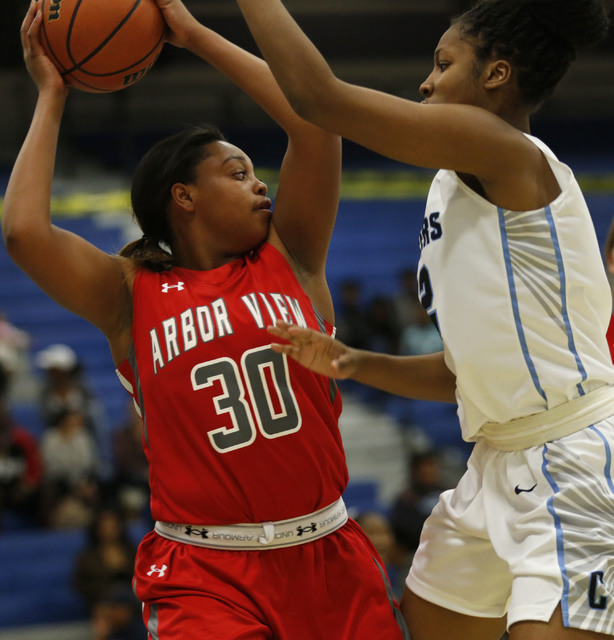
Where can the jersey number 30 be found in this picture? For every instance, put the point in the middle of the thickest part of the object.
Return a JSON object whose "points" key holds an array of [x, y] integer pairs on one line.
{"points": [[275, 410]]}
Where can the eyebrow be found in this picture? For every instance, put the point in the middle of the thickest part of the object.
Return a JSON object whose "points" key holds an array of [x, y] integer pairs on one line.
{"points": [[229, 158]]}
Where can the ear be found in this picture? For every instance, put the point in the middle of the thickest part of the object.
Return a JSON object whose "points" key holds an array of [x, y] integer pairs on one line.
{"points": [[182, 196], [497, 74]]}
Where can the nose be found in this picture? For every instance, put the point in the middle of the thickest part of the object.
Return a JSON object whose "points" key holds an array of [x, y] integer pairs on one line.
{"points": [[426, 88], [261, 187]]}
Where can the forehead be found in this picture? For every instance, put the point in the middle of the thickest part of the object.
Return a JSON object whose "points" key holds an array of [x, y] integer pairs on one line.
{"points": [[220, 152], [452, 42]]}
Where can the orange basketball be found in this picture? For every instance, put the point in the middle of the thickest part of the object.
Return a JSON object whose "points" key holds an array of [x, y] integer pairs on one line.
{"points": [[102, 45]]}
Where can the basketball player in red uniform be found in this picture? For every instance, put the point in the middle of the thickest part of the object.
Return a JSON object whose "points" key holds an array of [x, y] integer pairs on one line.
{"points": [[608, 252], [247, 469]]}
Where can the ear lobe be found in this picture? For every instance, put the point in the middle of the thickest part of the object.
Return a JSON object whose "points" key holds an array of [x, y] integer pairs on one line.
{"points": [[182, 196], [499, 73]]}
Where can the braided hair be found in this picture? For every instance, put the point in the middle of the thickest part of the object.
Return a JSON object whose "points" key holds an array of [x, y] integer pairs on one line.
{"points": [[168, 162], [540, 38]]}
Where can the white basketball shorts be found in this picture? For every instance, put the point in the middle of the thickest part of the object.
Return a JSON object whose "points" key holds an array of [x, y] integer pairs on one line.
{"points": [[525, 530]]}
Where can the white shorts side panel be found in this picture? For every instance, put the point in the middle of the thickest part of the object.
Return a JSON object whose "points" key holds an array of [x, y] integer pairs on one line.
{"points": [[525, 530]]}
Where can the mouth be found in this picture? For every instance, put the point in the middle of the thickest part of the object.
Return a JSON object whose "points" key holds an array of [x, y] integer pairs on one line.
{"points": [[264, 205]]}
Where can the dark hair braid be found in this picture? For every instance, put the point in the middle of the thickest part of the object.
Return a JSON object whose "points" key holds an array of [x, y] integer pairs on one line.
{"points": [[168, 162], [540, 38]]}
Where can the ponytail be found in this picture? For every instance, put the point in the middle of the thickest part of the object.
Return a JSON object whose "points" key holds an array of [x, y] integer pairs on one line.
{"points": [[148, 254]]}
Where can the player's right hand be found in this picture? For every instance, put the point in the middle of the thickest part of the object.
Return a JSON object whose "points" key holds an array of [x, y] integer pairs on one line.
{"points": [[180, 22], [314, 350], [44, 73]]}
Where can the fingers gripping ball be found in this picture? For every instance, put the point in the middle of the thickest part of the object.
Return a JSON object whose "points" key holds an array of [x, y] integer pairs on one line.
{"points": [[102, 45]]}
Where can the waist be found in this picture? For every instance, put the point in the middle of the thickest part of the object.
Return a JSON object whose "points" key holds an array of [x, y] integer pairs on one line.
{"points": [[259, 536], [550, 424]]}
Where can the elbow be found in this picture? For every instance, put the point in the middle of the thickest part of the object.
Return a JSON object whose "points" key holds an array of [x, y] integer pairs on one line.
{"points": [[315, 102], [18, 238]]}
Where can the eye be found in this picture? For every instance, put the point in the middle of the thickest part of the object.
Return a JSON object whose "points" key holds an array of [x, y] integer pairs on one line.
{"points": [[240, 175], [442, 66]]}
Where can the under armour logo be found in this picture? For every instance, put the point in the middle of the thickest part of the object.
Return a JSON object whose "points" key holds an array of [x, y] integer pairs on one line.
{"points": [[179, 286], [312, 528], [160, 572], [196, 531]]}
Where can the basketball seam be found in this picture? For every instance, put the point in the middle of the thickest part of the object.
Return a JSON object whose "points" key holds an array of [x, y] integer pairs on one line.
{"points": [[78, 65]]}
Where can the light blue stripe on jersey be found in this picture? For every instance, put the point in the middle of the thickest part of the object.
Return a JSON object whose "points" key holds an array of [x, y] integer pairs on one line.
{"points": [[608, 459], [536, 239], [560, 543], [512, 289], [562, 277]]}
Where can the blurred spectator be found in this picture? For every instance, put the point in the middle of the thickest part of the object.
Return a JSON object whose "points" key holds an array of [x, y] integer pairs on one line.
{"points": [[64, 389], [378, 529], [20, 468], [106, 563], [383, 326], [352, 324], [118, 616], [415, 503], [71, 471], [421, 336], [15, 358], [406, 299], [131, 478]]}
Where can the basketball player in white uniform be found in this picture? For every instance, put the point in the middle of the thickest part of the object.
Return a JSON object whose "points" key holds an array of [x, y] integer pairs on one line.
{"points": [[511, 273]]}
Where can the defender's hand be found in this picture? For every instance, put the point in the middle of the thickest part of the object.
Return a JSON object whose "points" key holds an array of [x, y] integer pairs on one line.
{"points": [[315, 350]]}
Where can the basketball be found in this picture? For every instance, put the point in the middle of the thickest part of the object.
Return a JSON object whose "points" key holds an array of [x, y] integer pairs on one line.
{"points": [[102, 46]]}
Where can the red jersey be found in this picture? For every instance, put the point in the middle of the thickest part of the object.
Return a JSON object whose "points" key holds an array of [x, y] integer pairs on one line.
{"points": [[610, 337], [233, 431]]}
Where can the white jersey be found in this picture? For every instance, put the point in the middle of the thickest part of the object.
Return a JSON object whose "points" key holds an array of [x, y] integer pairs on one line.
{"points": [[521, 299]]}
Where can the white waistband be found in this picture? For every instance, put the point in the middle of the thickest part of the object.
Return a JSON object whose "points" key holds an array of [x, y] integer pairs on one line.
{"points": [[551, 424], [263, 535]]}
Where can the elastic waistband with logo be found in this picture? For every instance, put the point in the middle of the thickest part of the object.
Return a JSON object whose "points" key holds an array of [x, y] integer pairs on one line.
{"points": [[259, 536]]}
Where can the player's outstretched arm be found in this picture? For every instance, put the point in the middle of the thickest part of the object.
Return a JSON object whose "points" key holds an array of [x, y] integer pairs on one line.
{"points": [[459, 137], [421, 377], [69, 269], [308, 194]]}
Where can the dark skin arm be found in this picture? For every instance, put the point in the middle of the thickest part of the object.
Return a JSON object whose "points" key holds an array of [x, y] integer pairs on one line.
{"points": [[422, 377]]}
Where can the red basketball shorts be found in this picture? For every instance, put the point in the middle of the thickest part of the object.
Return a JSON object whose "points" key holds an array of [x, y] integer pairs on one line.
{"points": [[334, 588]]}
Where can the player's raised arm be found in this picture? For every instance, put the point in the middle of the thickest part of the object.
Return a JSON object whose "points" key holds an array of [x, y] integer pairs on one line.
{"points": [[76, 274], [455, 136], [308, 193]]}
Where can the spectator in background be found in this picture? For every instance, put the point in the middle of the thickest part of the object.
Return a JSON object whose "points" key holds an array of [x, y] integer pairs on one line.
{"points": [[71, 464], [378, 528], [416, 501], [106, 563], [20, 467], [131, 476], [351, 318], [405, 299], [421, 336], [383, 327], [15, 358], [64, 389], [118, 616]]}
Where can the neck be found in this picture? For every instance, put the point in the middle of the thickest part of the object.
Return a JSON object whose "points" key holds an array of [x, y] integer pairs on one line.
{"points": [[520, 121]]}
